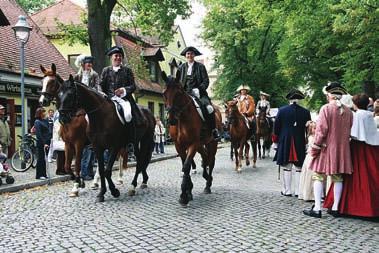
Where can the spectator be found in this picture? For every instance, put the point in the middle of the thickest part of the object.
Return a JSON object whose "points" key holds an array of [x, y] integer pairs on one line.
{"points": [[43, 135], [370, 106], [331, 150], [159, 136], [57, 145], [376, 114], [87, 163], [5, 134], [50, 119]]}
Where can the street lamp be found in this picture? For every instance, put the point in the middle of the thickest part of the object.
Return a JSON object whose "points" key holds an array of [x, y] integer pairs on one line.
{"points": [[22, 32]]}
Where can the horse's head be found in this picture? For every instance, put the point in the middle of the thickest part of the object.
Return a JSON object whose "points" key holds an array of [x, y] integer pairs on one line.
{"points": [[172, 94], [231, 110], [51, 83], [68, 97], [262, 113]]}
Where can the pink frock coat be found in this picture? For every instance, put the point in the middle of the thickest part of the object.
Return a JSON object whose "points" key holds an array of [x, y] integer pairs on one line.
{"points": [[333, 133]]}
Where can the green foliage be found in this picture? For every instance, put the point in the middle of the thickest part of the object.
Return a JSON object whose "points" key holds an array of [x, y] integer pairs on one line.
{"points": [[33, 6], [74, 33], [136, 63], [275, 45]]}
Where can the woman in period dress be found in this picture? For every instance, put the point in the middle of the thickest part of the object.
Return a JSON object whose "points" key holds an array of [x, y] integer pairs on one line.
{"points": [[360, 196], [305, 184]]}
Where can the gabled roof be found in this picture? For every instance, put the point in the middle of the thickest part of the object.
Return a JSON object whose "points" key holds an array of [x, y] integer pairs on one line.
{"points": [[145, 85], [63, 11], [38, 50]]}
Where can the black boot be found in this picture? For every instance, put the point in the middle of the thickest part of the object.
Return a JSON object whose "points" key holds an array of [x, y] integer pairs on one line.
{"points": [[212, 125]]}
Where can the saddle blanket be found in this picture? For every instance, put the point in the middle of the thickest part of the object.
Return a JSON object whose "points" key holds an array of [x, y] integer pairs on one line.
{"points": [[198, 109], [123, 109]]}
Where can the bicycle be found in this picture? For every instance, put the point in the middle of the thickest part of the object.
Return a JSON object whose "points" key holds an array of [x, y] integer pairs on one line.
{"points": [[25, 155]]}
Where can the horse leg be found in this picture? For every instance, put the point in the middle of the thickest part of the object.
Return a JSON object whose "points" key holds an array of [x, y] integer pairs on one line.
{"points": [[240, 155], [187, 184], [123, 164], [212, 149], [68, 152], [254, 147], [79, 146], [259, 146], [235, 147], [103, 189], [247, 150], [193, 165], [231, 151], [146, 153], [108, 172], [96, 179]]}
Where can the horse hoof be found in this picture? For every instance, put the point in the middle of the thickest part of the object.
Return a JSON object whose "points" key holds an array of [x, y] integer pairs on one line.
{"points": [[194, 171], [95, 186], [183, 202], [207, 190], [254, 166], [143, 186], [115, 193], [190, 197], [247, 163], [131, 192], [73, 194], [82, 184], [100, 199]]}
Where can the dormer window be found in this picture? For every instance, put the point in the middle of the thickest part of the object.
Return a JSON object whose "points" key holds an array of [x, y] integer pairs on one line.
{"points": [[178, 44], [3, 20]]}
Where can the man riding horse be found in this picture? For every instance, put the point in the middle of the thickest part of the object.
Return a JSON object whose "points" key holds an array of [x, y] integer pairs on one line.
{"points": [[246, 106], [117, 82], [194, 78], [263, 105]]}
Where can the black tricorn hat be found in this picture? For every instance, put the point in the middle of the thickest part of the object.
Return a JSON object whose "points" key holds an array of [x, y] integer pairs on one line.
{"points": [[334, 88], [115, 50], [295, 94], [193, 49], [88, 59]]}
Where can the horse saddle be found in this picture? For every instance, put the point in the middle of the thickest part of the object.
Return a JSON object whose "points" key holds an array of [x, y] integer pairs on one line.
{"points": [[198, 107], [119, 111]]}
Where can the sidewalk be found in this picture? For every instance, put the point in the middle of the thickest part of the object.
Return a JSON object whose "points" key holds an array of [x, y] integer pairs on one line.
{"points": [[26, 180]]}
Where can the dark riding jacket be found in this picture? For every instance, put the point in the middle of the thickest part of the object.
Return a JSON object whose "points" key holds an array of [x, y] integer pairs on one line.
{"points": [[93, 80], [123, 78], [199, 75]]}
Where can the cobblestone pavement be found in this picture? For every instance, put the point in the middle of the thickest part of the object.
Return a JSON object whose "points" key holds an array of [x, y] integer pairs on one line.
{"points": [[245, 213]]}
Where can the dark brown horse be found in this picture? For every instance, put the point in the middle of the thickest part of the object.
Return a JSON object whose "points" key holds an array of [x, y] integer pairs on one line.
{"points": [[264, 131], [106, 131], [188, 135], [240, 134]]}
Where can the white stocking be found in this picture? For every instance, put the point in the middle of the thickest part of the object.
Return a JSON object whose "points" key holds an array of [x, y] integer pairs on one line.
{"points": [[317, 189], [338, 186], [287, 181]]}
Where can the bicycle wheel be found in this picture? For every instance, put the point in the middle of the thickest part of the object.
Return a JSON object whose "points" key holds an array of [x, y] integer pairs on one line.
{"points": [[22, 160]]}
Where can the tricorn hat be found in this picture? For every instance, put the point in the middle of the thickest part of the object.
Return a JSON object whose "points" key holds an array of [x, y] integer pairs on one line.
{"points": [[88, 59], [243, 87], [261, 93], [334, 88], [115, 50], [2, 107], [193, 49], [295, 94]]}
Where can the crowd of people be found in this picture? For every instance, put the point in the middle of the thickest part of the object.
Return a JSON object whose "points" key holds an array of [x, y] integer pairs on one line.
{"points": [[342, 145]]}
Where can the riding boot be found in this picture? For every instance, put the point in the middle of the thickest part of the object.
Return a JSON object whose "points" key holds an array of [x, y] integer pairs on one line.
{"points": [[212, 125], [136, 113], [130, 138]]}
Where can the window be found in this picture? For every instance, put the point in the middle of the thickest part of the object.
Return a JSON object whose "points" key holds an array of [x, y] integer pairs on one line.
{"points": [[150, 105], [3, 19], [161, 111], [72, 59], [153, 71]]}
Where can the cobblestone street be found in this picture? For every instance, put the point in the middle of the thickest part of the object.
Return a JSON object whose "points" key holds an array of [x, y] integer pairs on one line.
{"points": [[245, 213]]}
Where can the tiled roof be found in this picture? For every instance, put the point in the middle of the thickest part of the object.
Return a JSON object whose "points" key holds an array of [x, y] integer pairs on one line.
{"points": [[38, 50], [64, 11], [145, 85]]}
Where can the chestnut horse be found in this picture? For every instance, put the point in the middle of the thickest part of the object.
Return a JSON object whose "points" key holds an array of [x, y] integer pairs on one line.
{"points": [[188, 135], [240, 134], [107, 132], [264, 131], [74, 133]]}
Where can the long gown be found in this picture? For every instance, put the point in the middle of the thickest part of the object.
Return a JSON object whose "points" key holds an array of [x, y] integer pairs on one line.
{"points": [[306, 183]]}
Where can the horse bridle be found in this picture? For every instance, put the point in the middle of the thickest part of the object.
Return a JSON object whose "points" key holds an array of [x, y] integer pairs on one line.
{"points": [[49, 96], [175, 110]]}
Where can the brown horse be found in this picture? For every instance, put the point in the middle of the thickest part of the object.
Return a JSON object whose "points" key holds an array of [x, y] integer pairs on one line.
{"points": [[107, 132], [189, 135], [264, 131], [73, 133], [240, 134]]}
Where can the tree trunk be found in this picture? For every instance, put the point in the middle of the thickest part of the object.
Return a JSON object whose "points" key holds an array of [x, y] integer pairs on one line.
{"points": [[99, 30], [369, 88]]}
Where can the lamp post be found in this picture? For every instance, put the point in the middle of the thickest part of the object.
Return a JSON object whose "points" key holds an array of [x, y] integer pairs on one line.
{"points": [[22, 32]]}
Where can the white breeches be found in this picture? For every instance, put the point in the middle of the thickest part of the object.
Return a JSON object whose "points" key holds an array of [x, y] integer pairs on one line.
{"points": [[125, 106]]}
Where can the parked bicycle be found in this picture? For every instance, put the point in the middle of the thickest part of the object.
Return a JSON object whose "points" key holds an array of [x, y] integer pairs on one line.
{"points": [[25, 155]]}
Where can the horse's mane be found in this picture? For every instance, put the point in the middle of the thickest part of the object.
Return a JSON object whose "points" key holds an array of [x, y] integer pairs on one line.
{"points": [[97, 93]]}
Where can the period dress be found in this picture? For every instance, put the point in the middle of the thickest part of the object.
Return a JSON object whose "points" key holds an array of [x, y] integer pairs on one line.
{"points": [[360, 196], [306, 183]]}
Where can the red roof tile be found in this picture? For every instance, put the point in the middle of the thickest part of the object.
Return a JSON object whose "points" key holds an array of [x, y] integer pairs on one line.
{"points": [[38, 50], [64, 11]]}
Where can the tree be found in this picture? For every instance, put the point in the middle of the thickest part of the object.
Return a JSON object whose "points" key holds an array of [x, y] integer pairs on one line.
{"points": [[156, 17], [34, 6]]}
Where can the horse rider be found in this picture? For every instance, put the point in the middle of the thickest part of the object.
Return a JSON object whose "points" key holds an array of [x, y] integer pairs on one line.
{"points": [[86, 74], [194, 78], [262, 104], [117, 82], [289, 134], [246, 105]]}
